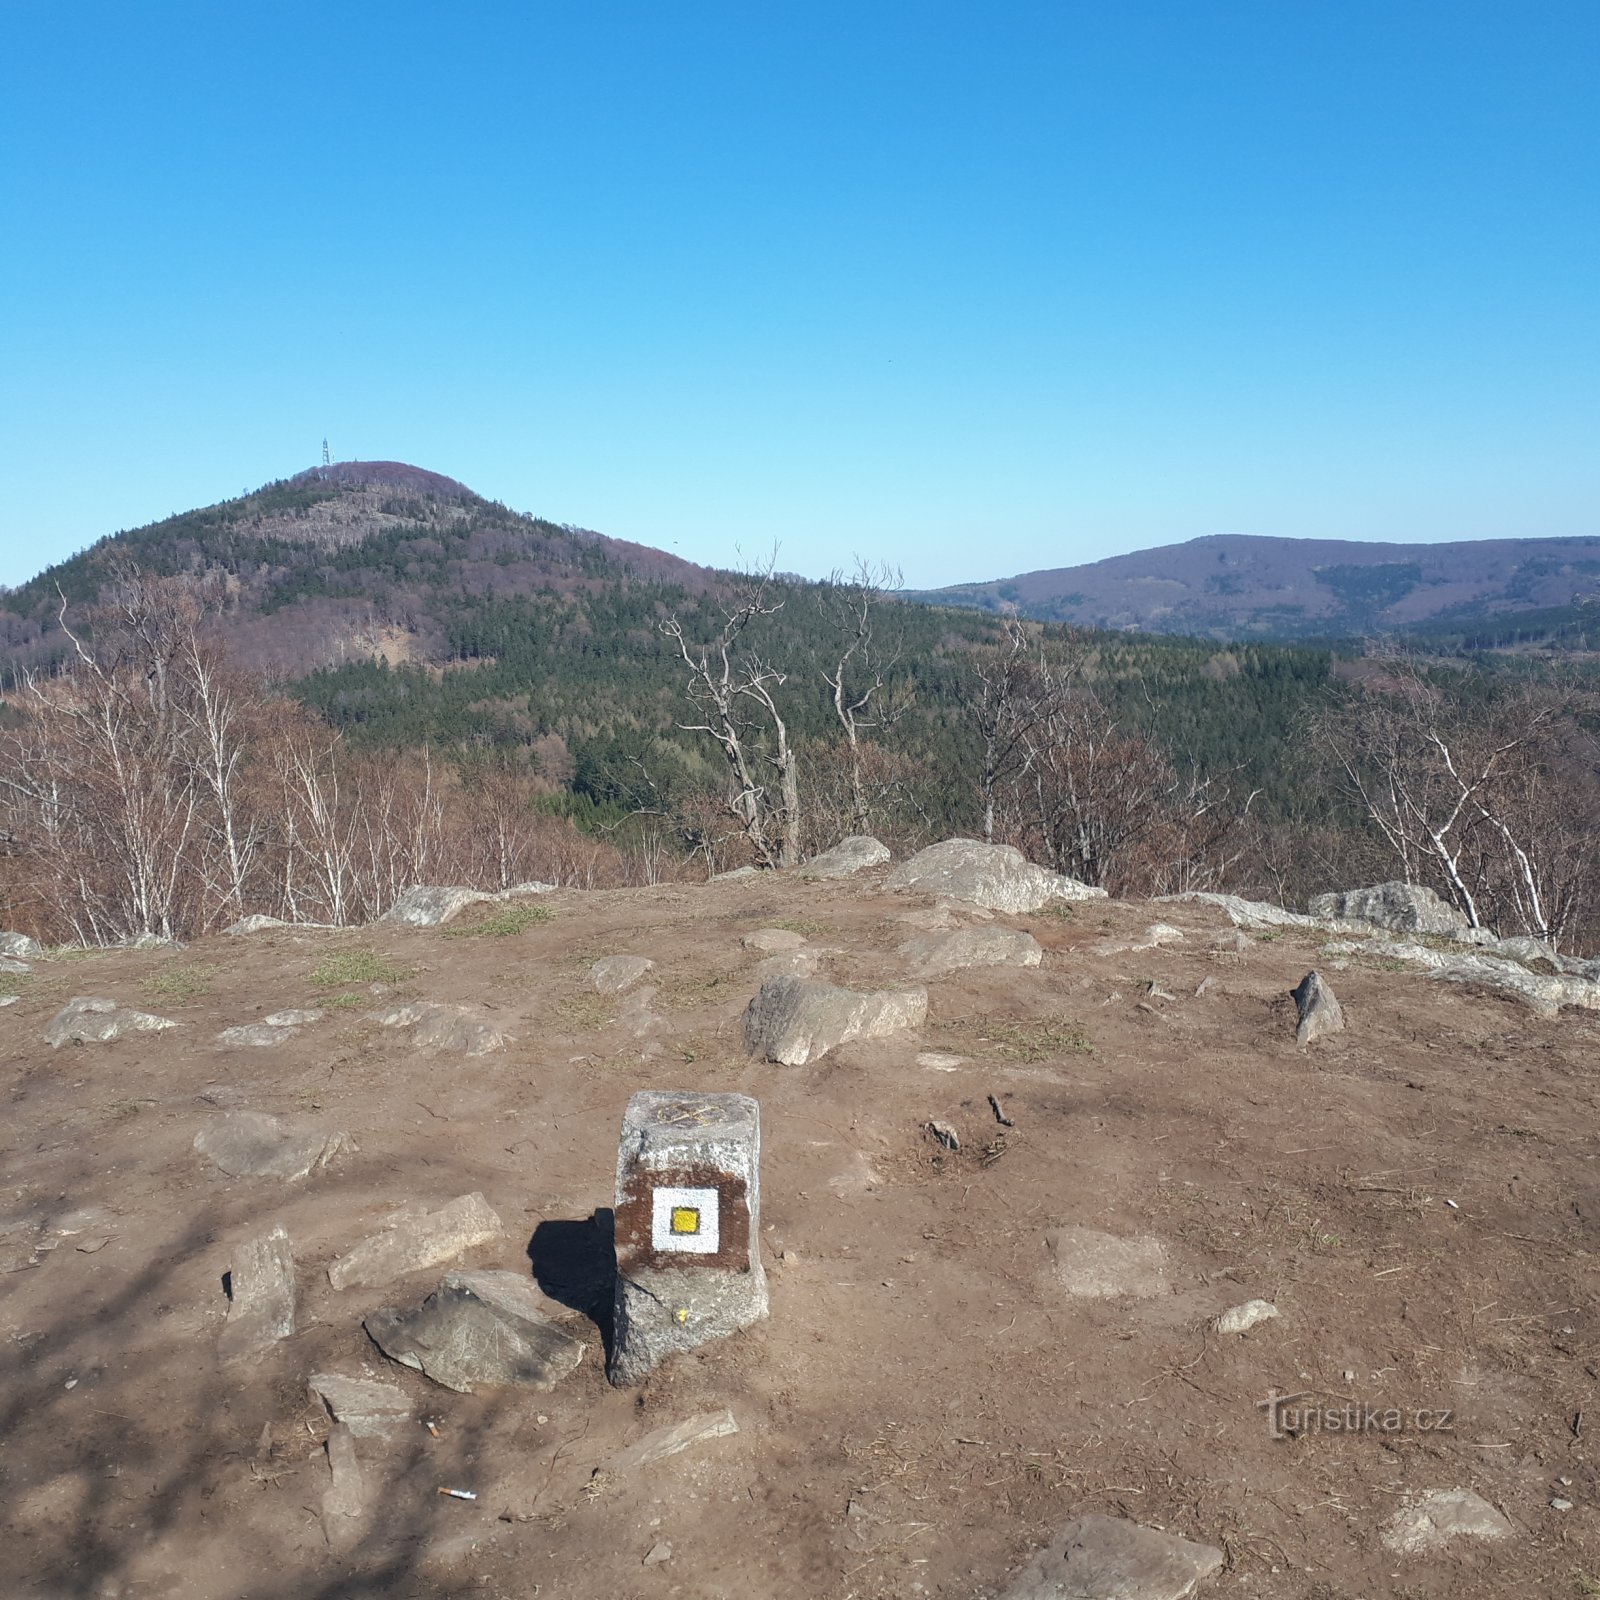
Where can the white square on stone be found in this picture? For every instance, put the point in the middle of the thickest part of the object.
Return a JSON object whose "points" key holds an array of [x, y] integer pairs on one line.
{"points": [[685, 1221]]}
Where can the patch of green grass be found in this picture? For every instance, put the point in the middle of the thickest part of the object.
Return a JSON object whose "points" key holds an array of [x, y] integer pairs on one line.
{"points": [[503, 923], [1035, 1041], [179, 985], [341, 968], [1583, 1583], [345, 1002]]}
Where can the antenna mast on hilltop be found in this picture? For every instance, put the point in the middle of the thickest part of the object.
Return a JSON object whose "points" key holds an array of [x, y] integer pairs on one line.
{"points": [[327, 460]]}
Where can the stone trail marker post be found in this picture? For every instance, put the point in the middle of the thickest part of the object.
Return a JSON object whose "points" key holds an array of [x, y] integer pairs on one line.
{"points": [[688, 1226]]}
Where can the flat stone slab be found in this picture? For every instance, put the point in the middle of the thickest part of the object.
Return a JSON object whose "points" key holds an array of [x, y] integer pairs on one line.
{"points": [[253, 1144], [933, 954], [773, 941], [1241, 1319], [996, 876], [1091, 1265], [1440, 1516], [88, 1020], [344, 1500], [253, 1035], [613, 974], [850, 855], [416, 1239], [669, 1441], [261, 1312], [369, 1408], [468, 1342], [442, 1029], [794, 1020], [688, 1226], [1111, 1558]]}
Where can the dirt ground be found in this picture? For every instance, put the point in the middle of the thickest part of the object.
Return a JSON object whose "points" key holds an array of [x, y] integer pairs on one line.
{"points": [[1419, 1196]]}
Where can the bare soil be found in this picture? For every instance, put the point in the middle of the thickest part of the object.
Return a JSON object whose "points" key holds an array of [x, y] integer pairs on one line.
{"points": [[1419, 1196]]}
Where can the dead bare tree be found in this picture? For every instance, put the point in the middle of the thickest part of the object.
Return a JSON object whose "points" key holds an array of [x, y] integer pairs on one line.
{"points": [[735, 689]]}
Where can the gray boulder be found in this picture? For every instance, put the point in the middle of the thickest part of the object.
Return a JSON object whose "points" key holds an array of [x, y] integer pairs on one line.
{"points": [[414, 1239], [466, 1341], [1405, 907], [850, 855], [368, 1408], [252, 1144], [261, 1311], [427, 905], [936, 953], [86, 1020], [20, 946], [613, 974], [1320, 1012], [996, 876], [1440, 1516], [253, 1034], [452, 1030], [1111, 1558], [794, 1020]]}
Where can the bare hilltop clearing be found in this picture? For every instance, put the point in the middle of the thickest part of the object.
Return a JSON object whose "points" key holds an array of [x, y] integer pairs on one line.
{"points": [[998, 1244]]}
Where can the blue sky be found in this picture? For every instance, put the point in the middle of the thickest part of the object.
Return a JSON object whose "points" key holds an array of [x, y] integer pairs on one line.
{"points": [[971, 289]]}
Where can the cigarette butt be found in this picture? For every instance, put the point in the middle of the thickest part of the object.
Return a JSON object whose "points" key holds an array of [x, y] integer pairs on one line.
{"points": [[459, 1494], [433, 1428]]}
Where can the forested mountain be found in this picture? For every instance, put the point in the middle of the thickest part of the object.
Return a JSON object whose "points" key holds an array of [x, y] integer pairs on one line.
{"points": [[1232, 586]]}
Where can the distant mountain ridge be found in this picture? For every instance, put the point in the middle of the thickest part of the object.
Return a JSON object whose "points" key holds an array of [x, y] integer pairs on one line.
{"points": [[1240, 586]]}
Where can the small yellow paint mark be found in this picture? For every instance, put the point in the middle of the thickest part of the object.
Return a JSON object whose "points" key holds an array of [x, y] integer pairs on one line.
{"points": [[686, 1219], [681, 1314]]}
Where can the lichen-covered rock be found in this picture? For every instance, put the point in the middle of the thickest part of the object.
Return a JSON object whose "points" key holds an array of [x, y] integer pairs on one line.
{"points": [[428, 905], [261, 1310], [1405, 907], [613, 974], [850, 855], [1320, 1012], [794, 1020], [936, 953], [996, 876], [87, 1020], [20, 946]]}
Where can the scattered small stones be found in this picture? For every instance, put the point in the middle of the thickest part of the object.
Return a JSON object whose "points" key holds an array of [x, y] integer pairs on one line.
{"points": [[427, 905], [442, 1029], [1320, 1013], [253, 1144], [369, 1409], [466, 1340], [669, 1441], [261, 1311], [87, 1020], [935, 953], [996, 876], [850, 855], [773, 941], [1091, 1265], [1111, 1558], [1240, 1319], [1440, 1516], [415, 1239], [613, 974], [794, 1020]]}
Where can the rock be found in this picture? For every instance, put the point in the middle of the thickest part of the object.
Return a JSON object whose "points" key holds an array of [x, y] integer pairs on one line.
{"points": [[366, 1408], [688, 1227], [660, 1551], [254, 924], [252, 1144], [1440, 1516], [415, 1239], [996, 876], [12, 965], [1100, 1266], [85, 1020], [613, 974], [20, 946], [253, 1034], [798, 963], [850, 855], [292, 1019], [1245, 913], [945, 1134], [440, 1028], [428, 905], [1240, 1319], [795, 1020], [1320, 1013], [773, 941], [344, 1500], [1230, 942], [668, 1441], [936, 953], [466, 1341], [1560, 1503], [1545, 993], [941, 1061], [1153, 937], [1111, 1558], [261, 1311], [736, 872], [9, 999], [1405, 907]]}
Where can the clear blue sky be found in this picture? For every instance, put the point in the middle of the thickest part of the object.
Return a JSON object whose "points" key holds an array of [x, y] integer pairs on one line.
{"points": [[972, 288]]}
